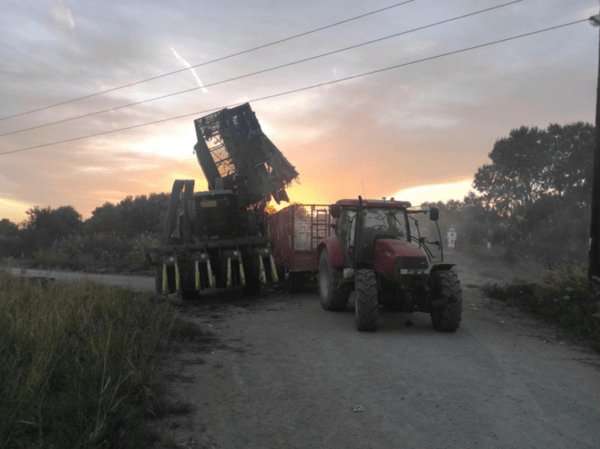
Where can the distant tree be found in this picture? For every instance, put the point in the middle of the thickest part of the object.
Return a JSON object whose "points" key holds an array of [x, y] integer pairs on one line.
{"points": [[515, 178], [45, 225], [105, 219], [533, 165], [132, 216], [9, 238], [570, 173]]}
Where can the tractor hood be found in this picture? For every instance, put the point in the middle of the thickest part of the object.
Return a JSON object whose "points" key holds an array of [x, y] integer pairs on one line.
{"points": [[393, 255]]}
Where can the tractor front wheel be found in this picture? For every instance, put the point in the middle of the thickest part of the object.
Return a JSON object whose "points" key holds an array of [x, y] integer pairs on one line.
{"points": [[446, 286], [334, 297], [367, 304]]}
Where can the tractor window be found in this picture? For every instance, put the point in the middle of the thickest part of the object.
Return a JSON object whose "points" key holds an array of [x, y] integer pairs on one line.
{"points": [[345, 226], [426, 233], [386, 221], [414, 228]]}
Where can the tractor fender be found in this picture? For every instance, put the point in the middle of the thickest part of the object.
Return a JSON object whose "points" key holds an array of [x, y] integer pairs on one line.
{"points": [[335, 250], [441, 267]]}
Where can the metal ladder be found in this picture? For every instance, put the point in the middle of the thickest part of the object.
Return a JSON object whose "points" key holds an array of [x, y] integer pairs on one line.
{"points": [[319, 226]]}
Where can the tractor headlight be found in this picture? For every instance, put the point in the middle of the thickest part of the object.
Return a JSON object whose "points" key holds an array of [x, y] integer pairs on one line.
{"points": [[413, 271]]}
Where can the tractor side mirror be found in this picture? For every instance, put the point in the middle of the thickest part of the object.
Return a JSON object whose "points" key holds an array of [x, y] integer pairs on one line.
{"points": [[335, 211], [434, 214]]}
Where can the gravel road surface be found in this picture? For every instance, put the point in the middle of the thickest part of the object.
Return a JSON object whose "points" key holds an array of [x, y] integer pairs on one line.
{"points": [[280, 372], [277, 371]]}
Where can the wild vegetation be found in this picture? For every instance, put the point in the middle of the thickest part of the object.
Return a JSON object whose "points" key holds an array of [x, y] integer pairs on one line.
{"points": [[111, 240], [78, 363], [534, 198], [563, 297]]}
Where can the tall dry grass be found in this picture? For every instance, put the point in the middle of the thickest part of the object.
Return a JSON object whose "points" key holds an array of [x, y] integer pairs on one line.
{"points": [[78, 363]]}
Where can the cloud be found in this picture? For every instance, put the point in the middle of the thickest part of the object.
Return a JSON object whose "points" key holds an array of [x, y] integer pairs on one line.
{"points": [[62, 15], [187, 64], [13, 210]]}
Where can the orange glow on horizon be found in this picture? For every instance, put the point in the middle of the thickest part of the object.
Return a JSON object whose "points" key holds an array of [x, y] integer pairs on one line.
{"points": [[14, 210]]}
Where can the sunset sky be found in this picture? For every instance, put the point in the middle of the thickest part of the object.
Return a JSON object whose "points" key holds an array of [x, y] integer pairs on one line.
{"points": [[417, 132]]}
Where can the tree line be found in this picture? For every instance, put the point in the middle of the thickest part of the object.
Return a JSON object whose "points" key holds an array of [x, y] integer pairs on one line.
{"points": [[532, 198], [45, 227]]}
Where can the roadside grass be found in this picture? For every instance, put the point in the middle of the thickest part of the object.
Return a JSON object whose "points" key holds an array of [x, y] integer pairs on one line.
{"points": [[78, 364], [562, 297]]}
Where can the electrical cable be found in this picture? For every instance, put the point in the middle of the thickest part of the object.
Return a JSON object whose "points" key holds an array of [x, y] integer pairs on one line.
{"points": [[260, 71], [280, 94], [210, 62]]}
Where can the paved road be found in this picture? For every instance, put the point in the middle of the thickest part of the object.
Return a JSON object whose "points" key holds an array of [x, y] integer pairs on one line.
{"points": [[143, 283]]}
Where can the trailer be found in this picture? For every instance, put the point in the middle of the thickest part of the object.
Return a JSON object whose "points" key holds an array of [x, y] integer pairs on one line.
{"points": [[296, 231]]}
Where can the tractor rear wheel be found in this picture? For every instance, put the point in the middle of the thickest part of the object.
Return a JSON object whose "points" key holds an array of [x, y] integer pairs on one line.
{"points": [[334, 297], [367, 304], [446, 286]]}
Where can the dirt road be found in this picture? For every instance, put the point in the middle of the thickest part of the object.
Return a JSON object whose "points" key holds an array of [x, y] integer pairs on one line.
{"points": [[277, 371], [280, 372]]}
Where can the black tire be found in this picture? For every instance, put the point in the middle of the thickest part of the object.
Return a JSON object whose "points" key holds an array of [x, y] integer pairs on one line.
{"points": [[334, 297], [251, 269], [296, 281], [251, 288], [367, 304], [189, 295], [446, 286], [280, 273]]}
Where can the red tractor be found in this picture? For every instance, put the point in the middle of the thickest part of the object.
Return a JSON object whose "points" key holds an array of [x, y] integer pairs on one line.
{"points": [[389, 254]]}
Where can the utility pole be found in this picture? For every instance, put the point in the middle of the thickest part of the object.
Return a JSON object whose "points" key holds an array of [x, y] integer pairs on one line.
{"points": [[594, 255]]}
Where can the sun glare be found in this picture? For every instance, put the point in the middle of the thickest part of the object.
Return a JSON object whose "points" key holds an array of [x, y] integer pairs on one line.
{"points": [[13, 210], [434, 192]]}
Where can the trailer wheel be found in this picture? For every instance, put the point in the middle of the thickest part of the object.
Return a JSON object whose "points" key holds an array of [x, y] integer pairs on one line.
{"points": [[367, 304], [334, 297], [446, 286]]}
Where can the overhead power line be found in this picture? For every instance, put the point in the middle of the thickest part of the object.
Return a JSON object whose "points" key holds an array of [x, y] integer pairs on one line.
{"points": [[301, 89], [261, 71], [211, 61]]}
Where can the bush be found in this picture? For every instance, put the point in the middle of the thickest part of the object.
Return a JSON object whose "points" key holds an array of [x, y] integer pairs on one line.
{"points": [[77, 363], [562, 297], [47, 259], [104, 252]]}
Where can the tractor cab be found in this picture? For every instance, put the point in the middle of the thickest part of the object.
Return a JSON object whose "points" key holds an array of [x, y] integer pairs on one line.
{"points": [[363, 226]]}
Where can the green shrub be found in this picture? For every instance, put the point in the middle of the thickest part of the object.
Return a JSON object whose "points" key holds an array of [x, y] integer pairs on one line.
{"points": [[77, 362], [136, 259], [562, 297], [105, 252], [47, 259]]}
